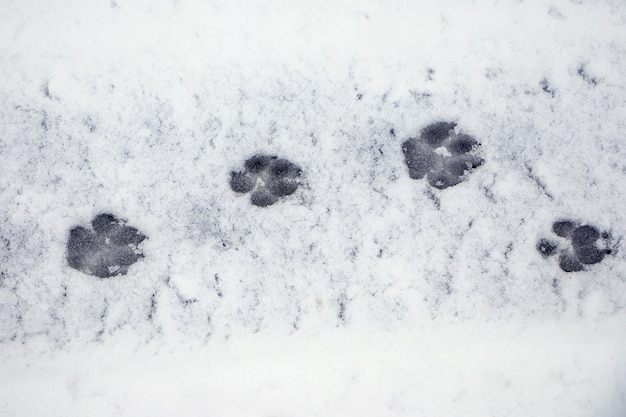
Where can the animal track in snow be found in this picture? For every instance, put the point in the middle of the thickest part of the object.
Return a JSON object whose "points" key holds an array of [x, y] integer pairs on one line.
{"points": [[106, 249], [587, 245], [441, 155], [267, 177]]}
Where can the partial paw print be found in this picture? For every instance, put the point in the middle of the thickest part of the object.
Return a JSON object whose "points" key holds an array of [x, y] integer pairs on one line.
{"points": [[442, 155], [106, 249], [587, 246], [267, 177]]}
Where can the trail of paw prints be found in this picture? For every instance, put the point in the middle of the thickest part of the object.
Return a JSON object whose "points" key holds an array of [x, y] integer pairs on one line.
{"points": [[267, 177], [106, 249], [441, 155], [586, 245]]}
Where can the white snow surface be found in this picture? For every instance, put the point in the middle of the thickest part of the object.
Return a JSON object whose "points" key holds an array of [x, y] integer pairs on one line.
{"points": [[365, 293]]}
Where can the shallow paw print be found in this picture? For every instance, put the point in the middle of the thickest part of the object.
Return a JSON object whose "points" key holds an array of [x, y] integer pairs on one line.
{"points": [[441, 155], [267, 177], [587, 246], [106, 249]]}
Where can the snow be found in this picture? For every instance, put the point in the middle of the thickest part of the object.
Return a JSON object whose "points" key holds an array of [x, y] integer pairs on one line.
{"points": [[363, 293]]}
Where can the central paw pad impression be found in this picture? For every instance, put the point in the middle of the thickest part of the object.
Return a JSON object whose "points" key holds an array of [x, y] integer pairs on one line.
{"points": [[107, 249], [442, 155], [268, 177]]}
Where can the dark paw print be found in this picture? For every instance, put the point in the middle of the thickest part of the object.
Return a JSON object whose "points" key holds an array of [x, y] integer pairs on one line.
{"points": [[587, 245], [268, 177], [106, 249], [442, 155]]}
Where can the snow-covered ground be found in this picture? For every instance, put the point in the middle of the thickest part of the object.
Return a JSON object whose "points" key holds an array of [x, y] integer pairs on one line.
{"points": [[365, 292]]}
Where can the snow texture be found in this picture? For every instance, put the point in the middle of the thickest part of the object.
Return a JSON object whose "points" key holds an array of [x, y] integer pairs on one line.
{"points": [[363, 292]]}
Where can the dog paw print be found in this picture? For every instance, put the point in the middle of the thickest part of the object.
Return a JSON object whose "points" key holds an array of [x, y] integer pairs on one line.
{"points": [[267, 177], [441, 155], [105, 249], [587, 246]]}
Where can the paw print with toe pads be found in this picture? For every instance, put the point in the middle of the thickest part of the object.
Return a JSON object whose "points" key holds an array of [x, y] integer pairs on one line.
{"points": [[267, 177], [587, 246], [442, 155], [106, 249]]}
